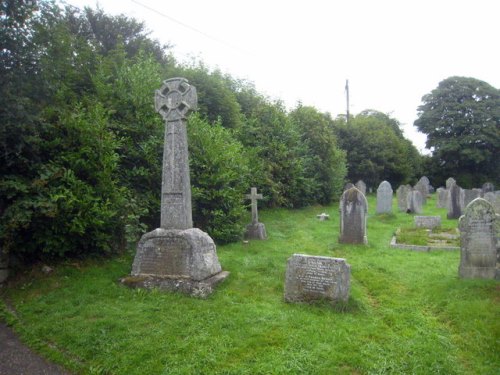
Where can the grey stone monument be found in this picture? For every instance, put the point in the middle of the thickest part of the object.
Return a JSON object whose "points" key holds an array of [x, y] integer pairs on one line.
{"points": [[487, 188], [176, 256], [348, 186], [353, 215], [311, 278], [454, 202], [402, 194], [450, 181], [441, 194], [494, 199], [361, 186], [414, 202], [470, 195], [384, 198], [255, 230], [423, 187], [478, 241]]}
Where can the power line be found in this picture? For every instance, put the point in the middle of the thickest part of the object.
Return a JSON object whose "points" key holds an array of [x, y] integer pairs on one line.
{"points": [[190, 27]]}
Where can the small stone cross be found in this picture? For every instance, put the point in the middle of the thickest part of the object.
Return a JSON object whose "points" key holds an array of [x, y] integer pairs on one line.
{"points": [[253, 196], [323, 217]]}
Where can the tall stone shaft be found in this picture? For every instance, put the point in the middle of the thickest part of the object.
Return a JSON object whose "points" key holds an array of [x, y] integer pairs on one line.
{"points": [[175, 99]]}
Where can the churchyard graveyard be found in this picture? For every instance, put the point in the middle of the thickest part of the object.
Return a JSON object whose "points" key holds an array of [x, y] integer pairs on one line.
{"points": [[406, 312]]}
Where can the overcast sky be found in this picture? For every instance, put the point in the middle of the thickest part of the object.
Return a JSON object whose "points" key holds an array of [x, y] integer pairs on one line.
{"points": [[392, 52]]}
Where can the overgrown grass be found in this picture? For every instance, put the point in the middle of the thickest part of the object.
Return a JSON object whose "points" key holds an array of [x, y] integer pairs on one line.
{"points": [[408, 312]]}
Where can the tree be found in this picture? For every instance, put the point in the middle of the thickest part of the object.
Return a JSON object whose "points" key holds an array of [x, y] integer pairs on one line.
{"points": [[325, 164], [376, 149], [461, 119]]}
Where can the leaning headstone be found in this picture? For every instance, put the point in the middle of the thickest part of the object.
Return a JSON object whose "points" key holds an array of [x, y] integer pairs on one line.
{"points": [[353, 213], [312, 278], [494, 199], [478, 241], [427, 222], [414, 202], [361, 186], [470, 195], [402, 194], [454, 202], [441, 194], [176, 256], [384, 198], [450, 181], [488, 187], [255, 230]]}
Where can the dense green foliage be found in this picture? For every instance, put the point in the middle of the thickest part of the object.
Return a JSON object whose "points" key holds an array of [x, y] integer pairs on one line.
{"points": [[377, 150], [408, 312], [81, 144], [461, 119]]}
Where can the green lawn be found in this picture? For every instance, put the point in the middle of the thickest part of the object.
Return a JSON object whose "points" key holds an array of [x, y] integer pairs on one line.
{"points": [[408, 312]]}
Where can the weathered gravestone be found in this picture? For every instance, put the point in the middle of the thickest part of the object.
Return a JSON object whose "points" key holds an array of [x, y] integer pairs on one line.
{"points": [[450, 181], [470, 195], [478, 241], [176, 256], [414, 202], [402, 194], [488, 187], [428, 222], [353, 214], [361, 186], [255, 230], [311, 278], [494, 199], [423, 187], [384, 198], [348, 186], [454, 202], [441, 194]]}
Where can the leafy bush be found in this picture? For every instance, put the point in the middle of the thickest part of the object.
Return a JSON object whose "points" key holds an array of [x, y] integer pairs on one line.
{"points": [[219, 179]]}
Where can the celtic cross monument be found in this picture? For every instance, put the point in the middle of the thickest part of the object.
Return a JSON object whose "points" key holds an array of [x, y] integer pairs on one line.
{"points": [[176, 256]]}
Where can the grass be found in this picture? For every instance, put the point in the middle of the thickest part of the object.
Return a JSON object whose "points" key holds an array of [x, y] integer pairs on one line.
{"points": [[408, 312], [427, 237]]}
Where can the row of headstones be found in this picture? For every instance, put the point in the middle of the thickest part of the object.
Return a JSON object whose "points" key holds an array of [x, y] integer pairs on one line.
{"points": [[455, 199], [310, 278]]}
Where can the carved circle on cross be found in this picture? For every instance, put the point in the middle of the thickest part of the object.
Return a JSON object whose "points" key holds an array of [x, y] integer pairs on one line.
{"points": [[175, 99]]}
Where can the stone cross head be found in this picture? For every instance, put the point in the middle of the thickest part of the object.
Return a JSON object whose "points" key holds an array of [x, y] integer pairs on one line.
{"points": [[175, 99]]}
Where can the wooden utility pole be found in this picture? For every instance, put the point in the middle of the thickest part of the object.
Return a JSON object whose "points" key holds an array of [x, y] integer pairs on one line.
{"points": [[347, 98]]}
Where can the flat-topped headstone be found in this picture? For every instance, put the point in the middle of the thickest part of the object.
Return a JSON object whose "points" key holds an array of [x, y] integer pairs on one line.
{"points": [[414, 202], [402, 194], [488, 187], [454, 202], [384, 198], [478, 241], [428, 222], [176, 256], [361, 186], [353, 213], [255, 230], [441, 194], [312, 278]]}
